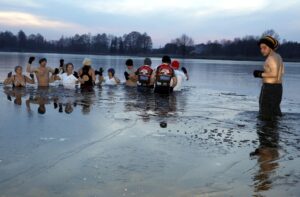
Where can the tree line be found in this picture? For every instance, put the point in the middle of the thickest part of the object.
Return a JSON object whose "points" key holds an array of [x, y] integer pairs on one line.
{"points": [[132, 43], [238, 48], [136, 43]]}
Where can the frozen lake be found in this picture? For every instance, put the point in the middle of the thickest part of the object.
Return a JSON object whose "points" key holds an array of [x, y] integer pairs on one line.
{"points": [[109, 142]]}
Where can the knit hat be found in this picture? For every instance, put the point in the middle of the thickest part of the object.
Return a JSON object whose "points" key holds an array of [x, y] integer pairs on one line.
{"points": [[175, 64], [269, 41]]}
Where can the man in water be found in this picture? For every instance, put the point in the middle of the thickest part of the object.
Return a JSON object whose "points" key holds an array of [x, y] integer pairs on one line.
{"points": [[42, 72], [143, 76], [130, 73], [181, 75], [271, 91], [164, 77]]}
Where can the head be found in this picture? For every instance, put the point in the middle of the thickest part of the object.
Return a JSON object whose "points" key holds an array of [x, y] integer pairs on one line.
{"points": [[111, 72], [42, 109], [18, 100], [166, 60], [129, 63], [69, 68], [175, 64], [147, 61], [87, 62], [43, 62], [267, 44], [69, 108], [18, 70]]}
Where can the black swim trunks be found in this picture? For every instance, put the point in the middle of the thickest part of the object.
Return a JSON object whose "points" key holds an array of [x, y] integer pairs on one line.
{"points": [[269, 101], [162, 90]]}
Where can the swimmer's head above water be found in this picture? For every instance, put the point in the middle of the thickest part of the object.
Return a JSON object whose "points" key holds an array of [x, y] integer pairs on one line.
{"points": [[69, 68], [87, 62], [43, 61], [129, 64], [147, 61], [111, 72], [166, 59], [18, 69]]}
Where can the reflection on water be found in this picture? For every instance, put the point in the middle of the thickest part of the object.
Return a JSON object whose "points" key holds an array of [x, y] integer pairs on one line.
{"points": [[65, 100], [149, 104], [267, 154], [45, 97]]}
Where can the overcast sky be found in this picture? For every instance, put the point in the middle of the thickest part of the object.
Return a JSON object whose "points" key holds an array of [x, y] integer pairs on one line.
{"points": [[163, 20]]}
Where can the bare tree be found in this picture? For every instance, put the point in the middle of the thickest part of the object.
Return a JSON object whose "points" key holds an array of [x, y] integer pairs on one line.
{"points": [[184, 44]]}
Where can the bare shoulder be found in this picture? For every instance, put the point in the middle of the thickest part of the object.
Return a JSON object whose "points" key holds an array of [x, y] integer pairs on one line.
{"points": [[49, 68], [271, 60], [91, 71]]}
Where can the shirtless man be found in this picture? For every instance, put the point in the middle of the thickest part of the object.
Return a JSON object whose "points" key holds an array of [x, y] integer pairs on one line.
{"points": [[164, 77], [42, 72], [271, 91]]}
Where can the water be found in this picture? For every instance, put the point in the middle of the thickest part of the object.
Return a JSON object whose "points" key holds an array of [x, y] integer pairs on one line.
{"points": [[56, 142]]}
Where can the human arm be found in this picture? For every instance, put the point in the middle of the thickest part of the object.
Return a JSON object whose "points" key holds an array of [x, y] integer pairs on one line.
{"points": [[184, 70], [30, 80], [174, 80], [29, 69], [92, 74], [117, 80], [101, 79], [9, 79], [153, 77]]}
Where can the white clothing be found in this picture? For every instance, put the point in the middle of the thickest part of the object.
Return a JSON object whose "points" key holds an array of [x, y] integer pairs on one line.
{"points": [[111, 81], [180, 76], [68, 81]]}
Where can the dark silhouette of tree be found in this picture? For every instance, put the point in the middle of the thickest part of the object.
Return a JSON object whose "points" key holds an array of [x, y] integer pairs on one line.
{"points": [[184, 44], [136, 43], [170, 48], [22, 40], [100, 43], [8, 41]]}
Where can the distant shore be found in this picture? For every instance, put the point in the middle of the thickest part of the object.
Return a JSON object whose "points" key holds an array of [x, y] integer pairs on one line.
{"points": [[233, 58]]}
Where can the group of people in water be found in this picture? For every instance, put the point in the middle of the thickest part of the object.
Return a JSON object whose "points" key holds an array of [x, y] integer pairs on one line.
{"points": [[164, 79]]}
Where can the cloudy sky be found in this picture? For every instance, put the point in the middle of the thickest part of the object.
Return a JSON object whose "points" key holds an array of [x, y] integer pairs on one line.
{"points": [[163, 20]]}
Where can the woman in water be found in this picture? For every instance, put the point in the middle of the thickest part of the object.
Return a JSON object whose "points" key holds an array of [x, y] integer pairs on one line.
{"points": [[111, 79], [87, 74], [18, 80]]}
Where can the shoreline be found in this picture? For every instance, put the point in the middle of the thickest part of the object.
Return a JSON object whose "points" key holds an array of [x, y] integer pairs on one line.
{"points": [[237, 58]]}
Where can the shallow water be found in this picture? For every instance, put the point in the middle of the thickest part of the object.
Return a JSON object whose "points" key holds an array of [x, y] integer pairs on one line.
{"points": [[109, 142]]}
